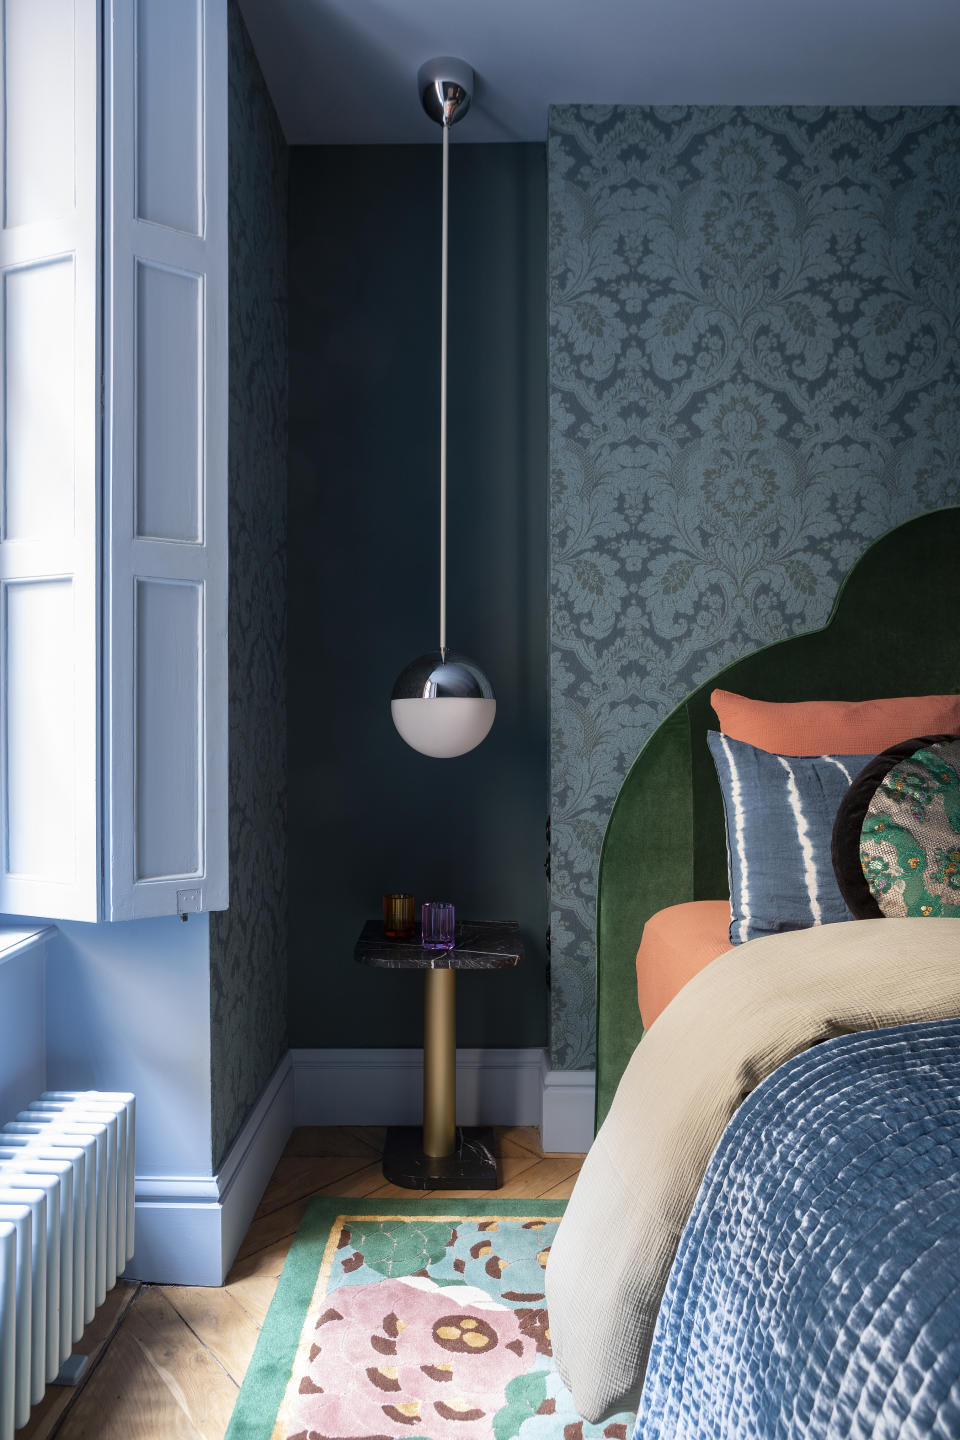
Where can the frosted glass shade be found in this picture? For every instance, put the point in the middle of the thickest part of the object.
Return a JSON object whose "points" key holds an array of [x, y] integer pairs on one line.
{"points": [[443, 704], [443, 727]]}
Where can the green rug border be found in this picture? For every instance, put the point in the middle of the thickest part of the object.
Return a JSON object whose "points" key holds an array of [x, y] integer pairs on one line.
{"points": [[261, 1393]]}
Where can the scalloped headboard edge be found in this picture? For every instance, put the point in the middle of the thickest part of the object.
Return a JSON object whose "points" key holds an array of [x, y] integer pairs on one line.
{"points": [[894, 630]]}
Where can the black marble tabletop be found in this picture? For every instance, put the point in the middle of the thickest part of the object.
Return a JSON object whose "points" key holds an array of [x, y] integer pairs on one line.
{"points": [[479, 945]]}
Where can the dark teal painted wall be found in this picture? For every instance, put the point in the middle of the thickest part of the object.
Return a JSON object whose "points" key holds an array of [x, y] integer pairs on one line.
{"points": [[367, 814]]}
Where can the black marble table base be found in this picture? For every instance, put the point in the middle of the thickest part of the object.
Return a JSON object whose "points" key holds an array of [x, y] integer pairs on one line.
{"points": [[473, 1165]]}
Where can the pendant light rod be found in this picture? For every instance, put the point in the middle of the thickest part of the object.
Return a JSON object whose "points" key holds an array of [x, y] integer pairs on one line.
{"points": [[446, 86], [442, 703], [444, 246]]}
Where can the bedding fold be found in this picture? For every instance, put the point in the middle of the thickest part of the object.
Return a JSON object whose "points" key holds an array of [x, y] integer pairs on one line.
{"points": [[747, 1013]]}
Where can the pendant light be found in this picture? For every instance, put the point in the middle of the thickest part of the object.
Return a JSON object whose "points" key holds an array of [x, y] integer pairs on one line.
{"points": [[442, 703]]}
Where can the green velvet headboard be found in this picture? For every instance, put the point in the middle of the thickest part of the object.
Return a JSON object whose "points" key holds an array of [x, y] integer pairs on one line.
{"points": [[894, 630]]}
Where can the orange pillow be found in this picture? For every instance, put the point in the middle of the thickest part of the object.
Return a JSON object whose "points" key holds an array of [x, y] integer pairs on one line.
{"points": [[675, 945], [830, 727]]}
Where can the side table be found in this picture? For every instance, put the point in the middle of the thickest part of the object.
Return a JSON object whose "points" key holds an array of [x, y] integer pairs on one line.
{"points": [[442, 1155]]}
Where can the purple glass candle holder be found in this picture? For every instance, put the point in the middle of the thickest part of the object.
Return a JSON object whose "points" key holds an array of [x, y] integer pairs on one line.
{"points": [[437, 925]]}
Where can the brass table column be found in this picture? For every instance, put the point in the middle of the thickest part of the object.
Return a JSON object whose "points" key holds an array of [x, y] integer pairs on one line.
{"points": [[441, 1154], [439, 1062]]}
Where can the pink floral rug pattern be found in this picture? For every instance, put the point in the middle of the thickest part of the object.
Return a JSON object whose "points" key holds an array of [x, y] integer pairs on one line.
{"points": [[432, 1329]]}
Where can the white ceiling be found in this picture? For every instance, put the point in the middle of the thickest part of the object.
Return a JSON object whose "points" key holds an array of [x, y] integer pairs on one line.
{"points": [[344, 71]]}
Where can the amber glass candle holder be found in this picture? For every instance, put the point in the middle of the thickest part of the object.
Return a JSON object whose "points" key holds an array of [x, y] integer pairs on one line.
{"points": [[398, 917]]}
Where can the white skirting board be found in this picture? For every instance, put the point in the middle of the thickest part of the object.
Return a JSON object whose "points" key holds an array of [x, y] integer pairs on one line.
{"points": [[566, 1113], [385, 1087], [188, 1228], [494, 1087]]}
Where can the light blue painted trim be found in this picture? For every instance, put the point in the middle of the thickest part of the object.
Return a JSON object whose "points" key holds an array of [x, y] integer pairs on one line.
{"points": [[188, 1228], [14, 939]]}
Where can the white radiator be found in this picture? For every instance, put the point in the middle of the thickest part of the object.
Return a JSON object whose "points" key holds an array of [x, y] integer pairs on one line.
{"points": [[66, 1232]]}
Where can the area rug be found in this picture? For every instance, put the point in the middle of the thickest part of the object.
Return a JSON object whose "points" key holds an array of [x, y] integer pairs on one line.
{"points": [[416, 1318]]}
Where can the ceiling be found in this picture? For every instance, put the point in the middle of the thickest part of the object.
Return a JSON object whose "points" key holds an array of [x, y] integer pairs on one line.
{"points": [[343, 72]]}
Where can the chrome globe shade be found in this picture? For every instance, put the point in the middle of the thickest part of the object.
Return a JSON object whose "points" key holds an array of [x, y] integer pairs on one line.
{"points": [[442, 704]]}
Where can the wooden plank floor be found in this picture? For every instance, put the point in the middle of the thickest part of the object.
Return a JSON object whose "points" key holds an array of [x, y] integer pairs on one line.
{"points": [[167, 1361]]}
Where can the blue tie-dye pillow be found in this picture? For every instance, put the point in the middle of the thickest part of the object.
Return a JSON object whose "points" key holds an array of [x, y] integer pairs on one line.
{"points": [[780, 811]]}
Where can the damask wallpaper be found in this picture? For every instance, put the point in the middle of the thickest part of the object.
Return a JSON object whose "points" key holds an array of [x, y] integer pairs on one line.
{"points": [[754, 371], [248, 942]]}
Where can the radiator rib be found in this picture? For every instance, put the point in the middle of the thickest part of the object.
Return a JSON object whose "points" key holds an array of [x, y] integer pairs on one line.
{"points": [[8, 1325], [66, 1232], [20, 1168], [15, 1149]]}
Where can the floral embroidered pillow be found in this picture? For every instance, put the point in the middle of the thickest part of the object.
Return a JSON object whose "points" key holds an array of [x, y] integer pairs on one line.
{"points": [[896, 841]]}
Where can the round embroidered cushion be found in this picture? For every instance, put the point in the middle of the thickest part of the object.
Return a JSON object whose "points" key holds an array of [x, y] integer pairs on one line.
{"points": [[896, 838]]}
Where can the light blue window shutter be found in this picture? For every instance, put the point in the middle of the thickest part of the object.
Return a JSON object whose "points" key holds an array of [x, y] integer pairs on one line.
{"points": [[165, 584]]}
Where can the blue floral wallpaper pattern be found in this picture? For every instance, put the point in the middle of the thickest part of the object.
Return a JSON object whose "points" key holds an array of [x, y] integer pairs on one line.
{"points": [[754, 371], [248, 942]]}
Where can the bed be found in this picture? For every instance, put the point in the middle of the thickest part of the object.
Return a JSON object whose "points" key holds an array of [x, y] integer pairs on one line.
{"points": [[892, 631], [781, 1032]]}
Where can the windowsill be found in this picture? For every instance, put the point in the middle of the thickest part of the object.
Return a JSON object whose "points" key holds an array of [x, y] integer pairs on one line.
{"points": [[14, 939]]}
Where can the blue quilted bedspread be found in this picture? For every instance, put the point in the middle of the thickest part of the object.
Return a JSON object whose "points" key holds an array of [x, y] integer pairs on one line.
{"points": [[816, 1288]]}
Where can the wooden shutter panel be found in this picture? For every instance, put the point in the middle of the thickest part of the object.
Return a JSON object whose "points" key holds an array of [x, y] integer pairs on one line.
{"points": [[166, 468]]}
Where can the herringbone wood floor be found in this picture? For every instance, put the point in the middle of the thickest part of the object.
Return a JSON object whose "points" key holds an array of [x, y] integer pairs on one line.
{"points": [[167, 1360]]}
